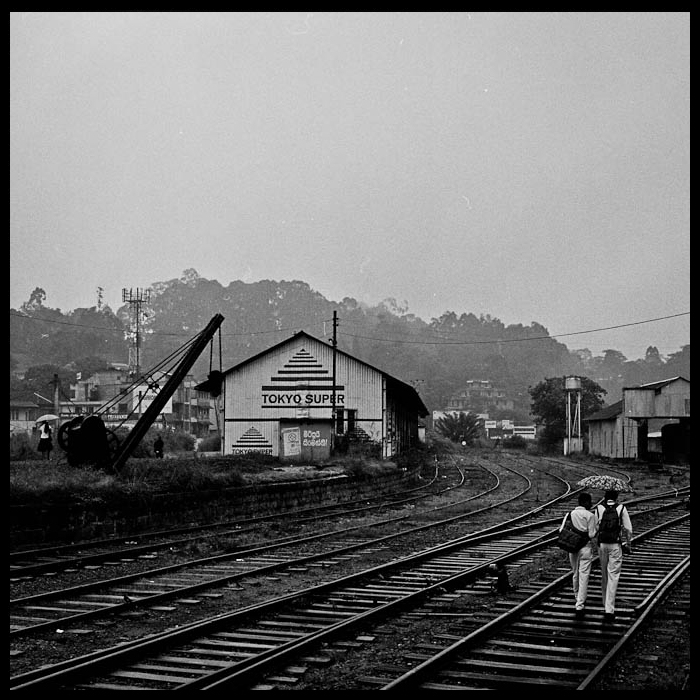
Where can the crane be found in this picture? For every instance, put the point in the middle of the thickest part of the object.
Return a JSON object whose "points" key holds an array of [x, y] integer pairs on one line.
{"points": [[86, 439]]}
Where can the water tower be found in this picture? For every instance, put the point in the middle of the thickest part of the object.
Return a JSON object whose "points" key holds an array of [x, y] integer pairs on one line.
{"points": [[573, 442]]}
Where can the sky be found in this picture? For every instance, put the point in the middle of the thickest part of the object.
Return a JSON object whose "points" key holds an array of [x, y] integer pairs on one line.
{"points": [[530, 166]]}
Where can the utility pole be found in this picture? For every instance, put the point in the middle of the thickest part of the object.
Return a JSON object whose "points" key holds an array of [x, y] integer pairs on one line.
{"points": [[136, 299], [334, 341], [56, 383]]}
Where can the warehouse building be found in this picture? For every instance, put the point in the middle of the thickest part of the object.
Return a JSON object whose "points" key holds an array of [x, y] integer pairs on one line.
{"points": [[651, 422], [280, 402]]}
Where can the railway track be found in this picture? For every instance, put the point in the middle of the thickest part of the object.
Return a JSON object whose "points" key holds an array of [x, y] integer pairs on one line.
{"points": [[93, 554], [59, 557], [78, 604], [241, 647], [539, 643], [164, 588]]}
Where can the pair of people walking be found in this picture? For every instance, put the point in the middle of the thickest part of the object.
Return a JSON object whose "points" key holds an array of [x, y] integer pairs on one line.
{"points": [[607, 526]]}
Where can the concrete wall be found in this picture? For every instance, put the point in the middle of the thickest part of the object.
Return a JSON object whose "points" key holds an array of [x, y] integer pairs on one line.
{"points": [[38, 525]]}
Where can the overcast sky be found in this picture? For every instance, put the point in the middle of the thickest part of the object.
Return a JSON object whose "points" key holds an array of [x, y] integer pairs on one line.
{"points": [[532, 166]]}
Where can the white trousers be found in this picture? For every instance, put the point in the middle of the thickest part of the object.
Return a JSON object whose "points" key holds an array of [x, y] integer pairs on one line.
{"points": [[610, 568], [581, 569]]}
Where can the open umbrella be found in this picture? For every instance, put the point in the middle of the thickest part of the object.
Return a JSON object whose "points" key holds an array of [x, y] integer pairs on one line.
{"points": [[46, 417], [604, 482]]}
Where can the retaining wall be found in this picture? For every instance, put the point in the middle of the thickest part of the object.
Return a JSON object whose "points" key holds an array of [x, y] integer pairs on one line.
{"points": [[37, 525]]}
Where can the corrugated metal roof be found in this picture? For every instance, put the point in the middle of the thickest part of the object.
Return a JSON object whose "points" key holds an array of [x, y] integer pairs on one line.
{"points": [[608, 412], [658, 385]]}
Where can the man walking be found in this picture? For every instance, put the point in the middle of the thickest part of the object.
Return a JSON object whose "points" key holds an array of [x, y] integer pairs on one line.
{"points": [[582, 518], [614, 525]]}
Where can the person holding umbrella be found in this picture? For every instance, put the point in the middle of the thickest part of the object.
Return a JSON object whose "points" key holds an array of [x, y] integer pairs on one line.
{"points": [[614, 525], [45, 440]]}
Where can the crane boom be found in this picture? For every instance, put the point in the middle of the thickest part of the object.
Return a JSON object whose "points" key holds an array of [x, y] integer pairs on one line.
{"points": [[152, 412]]}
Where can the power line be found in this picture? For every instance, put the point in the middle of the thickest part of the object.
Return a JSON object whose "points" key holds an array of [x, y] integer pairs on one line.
{"points": [[512, 340], [388, 340]]}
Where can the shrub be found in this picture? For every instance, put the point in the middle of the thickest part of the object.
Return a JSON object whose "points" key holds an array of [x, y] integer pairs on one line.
{"points": [[22, 447], [210, 444], [367, 450], [516, 442], [174, 442]]}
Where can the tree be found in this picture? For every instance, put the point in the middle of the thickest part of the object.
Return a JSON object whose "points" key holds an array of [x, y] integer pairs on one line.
{"points": [[549, 406], [36, 300], [463, 427], [678, 363]]}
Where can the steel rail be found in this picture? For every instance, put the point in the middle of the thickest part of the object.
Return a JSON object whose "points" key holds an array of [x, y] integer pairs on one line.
{"points": [[140, 599], [333, 510], [419, 674], [132, 651], [156, 598], [643, 611]]}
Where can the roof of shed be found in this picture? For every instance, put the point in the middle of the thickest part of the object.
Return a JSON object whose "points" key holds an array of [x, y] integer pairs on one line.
{"points": [[397, 383], [658, 385], [609, 412]]}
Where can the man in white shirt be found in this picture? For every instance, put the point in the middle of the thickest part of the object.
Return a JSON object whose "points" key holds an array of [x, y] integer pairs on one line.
{"points": [[611, 549], [582, 519]]}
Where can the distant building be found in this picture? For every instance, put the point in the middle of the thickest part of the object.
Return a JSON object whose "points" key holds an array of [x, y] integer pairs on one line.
{"points": [[507, 429], [121, 401], [651, 421], [611, 434], [479, 396], [23, 415], [280, 402], [493, 429]]}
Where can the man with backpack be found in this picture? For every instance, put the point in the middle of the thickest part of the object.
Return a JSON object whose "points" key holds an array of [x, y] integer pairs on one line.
{"points": [[614, 525], [584, 520]]}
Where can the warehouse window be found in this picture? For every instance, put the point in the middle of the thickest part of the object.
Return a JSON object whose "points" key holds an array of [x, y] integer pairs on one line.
{"points": [[339, 421]]}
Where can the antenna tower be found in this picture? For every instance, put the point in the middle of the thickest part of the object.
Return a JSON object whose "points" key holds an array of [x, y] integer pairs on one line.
{"points": [[135, 298]]}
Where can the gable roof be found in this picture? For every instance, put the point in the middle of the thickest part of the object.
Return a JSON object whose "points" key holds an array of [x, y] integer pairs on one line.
{"points": [[658, 385], [609, 412], [397, 384]]}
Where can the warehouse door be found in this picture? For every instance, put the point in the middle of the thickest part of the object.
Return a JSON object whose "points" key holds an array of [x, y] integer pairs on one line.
{"points": [[302, 441]]}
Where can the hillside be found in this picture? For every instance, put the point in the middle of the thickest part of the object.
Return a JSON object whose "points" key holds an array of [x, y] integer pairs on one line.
{"points": [[437, 356]]}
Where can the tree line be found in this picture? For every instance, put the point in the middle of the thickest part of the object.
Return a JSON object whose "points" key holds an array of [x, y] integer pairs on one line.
{"points": [[435, 356]]}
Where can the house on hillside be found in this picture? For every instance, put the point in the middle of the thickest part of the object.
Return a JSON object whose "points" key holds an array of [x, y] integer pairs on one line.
{"points": [[479, 396], [280, 402], [651, 422]]}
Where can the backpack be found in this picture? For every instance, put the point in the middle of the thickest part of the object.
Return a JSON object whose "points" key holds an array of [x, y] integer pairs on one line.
{"points": [[570, 538], [610, 525]]}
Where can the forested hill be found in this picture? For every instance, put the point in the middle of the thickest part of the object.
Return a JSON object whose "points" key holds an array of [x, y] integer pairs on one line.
{"points": [[436, 356]]}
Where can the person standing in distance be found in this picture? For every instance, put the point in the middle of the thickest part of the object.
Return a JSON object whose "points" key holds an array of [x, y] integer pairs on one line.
{"points": [[582, 518], [45, 440], [614, 526], [158, 447]]}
